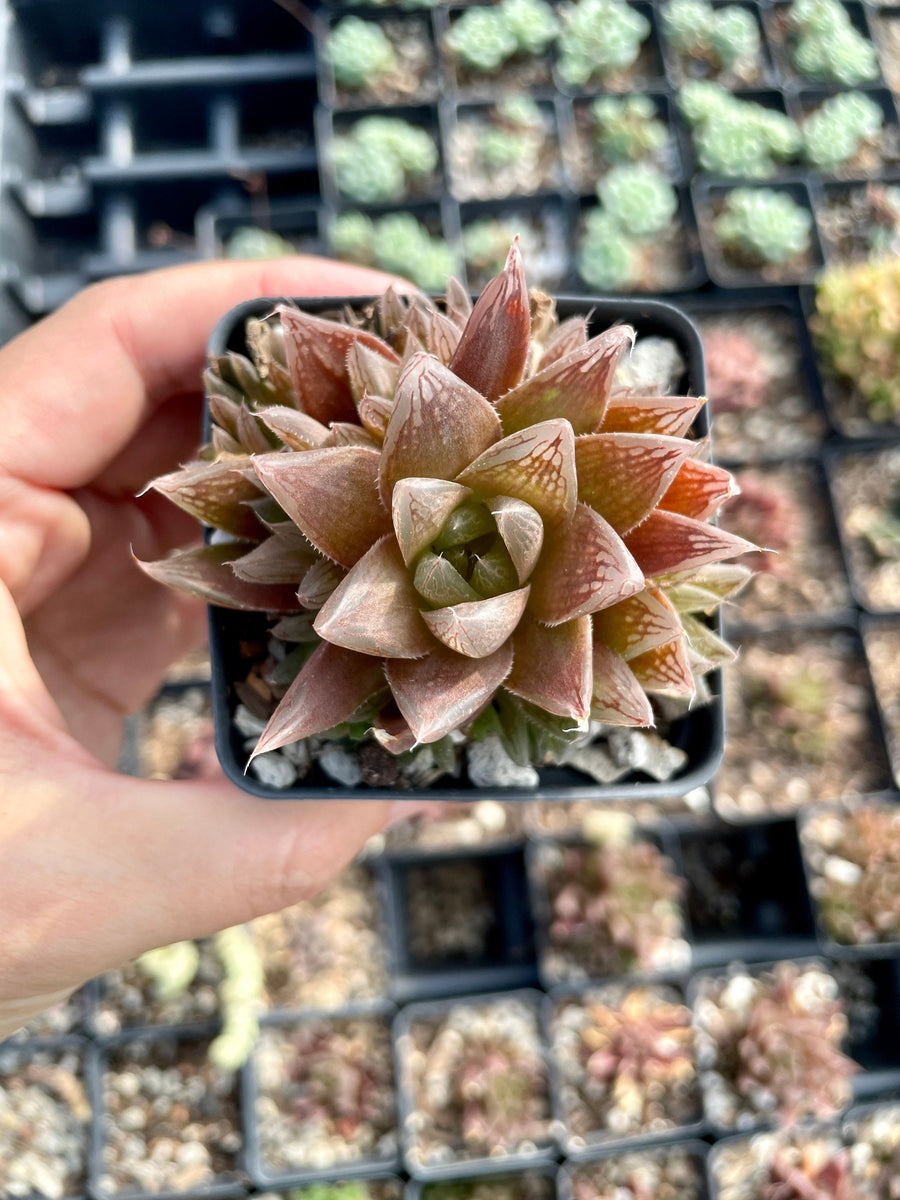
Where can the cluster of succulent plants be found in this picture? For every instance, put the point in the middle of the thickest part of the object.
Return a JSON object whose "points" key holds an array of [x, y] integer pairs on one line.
{"points": [[614, 907], [857, 331], [762, 226], [412, 499], [737, 376], [478, 1081], [835, 132], [628, 129], [380, 160], [396, 242], [483, 39], [769, 1046], [360, 53], [626, 1057], [802, 1164], [725, 38], [827, 46], [734, 137], [598, 39], [668, 1173], [524, 1186], [854, 858], [637, 205], [486, 244]]}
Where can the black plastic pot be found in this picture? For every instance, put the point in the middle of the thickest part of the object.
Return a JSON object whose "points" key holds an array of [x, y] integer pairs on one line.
{"points": [[700, 734], [417, 1190], [682, 67], [576, 125], [886, 701], [858, 560], [808, 100], [697, 1151], [848, 238], [297, 222]]}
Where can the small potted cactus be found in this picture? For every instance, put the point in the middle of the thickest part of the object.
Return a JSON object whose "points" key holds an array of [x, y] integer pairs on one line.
{"points": [[446, 566]]}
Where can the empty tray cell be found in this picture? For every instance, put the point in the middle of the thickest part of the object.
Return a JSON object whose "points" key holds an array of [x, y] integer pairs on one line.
{"points": [[50, 53], [171, 120], [277, 116]]}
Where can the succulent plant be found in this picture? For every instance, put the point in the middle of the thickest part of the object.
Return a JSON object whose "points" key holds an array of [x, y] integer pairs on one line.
{"points": [[763, 225], [251, 242], [443, 548], [727, 38], [827, 46], [360, 53], [639, 198], [627, 1061], [380, 158], [627, 128], [736, 137], [532, 23], [857, 331], [524, 1186], [598, 38], [833, 134], [607, 258], [737, 377], [396, 242], [483, 39], [664, 1173]]}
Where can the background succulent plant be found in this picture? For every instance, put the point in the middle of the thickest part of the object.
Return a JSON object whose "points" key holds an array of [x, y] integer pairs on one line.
{"points": [[360, 53], [598, 38], [763, 225], [727, 38], [396, 242], [442, 546], [833, 134], [627, 128], [827, 46], [380, 159], [733, 137], [483, 39]]}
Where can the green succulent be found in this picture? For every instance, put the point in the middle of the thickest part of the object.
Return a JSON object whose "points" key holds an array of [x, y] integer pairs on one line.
{"points": [[396, 242], [498, 148], [598, 38], [353, 238], [486, 244], [835, 131], [378, 159], [727, 38], [627, 128], [532, 23], [481, 39], [735, 137], [734, 38], [352, 1190], [607, 258], [360, 53], [521, 111], [638, 198], [827, 45], [686, 25], [253, 243], [764, 224]]}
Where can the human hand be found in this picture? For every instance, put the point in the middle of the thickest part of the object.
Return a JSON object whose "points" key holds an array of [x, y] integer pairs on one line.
{"points": [[96, 867]]}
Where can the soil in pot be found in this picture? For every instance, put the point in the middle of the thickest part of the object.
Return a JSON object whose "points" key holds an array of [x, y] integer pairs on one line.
{"points": [[611, 909], [663, 1174], [175, 738], [507, 149], [325, 1093], [542, 237], [882, 643], [626, 1061], [812, 1162], [477, 1082], [464, 825], [391, 61], [858, 221], [769, 1045], [131, 997], [785, 508], [562, 818], [506, 1187], [44, 1122], [853, 858], [171, 1120], [866, 489], [760, 400], [801, 725], [609, 130], [450, 912], [328, 951]]}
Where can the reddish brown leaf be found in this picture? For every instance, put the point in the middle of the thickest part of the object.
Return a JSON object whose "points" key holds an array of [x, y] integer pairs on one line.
{"points": [[522, 530], [375, 609], [316, 356], [698, 490], [274, 561], [217, 493], [576, 387], [319, 582], [374, 413], [332, 494], [419, 508], [438, 425], [494, 344], [584, 567], [479, 627], [568, 336], [552, 666], [536, 465], [638, 624], [346, 433], [669, 415], [369, 371], [332, 684], [441, 692], [459, 304], [623, 475], [296, 429], [250, 433], [668, 542], [205, 571], [618, 698], [665, 670]]}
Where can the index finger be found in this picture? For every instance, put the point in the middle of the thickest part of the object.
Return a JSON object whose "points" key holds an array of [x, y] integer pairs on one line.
{"points": [[77, 387]]}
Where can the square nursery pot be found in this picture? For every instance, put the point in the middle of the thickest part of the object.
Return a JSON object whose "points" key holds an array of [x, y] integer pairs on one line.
{"points": [[881, 637], [677, 1172], [538, 1183], [745, 1166], [696, 739]]}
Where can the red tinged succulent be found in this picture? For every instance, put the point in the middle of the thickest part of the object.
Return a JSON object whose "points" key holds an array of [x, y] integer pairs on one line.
{"points": [[470, 510]]}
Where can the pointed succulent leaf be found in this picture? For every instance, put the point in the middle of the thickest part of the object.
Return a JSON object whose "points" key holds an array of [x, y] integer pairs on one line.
{"points": [[296, 429], [707, 644], [216, 493], [665, 670], [442, 691], [469, 521], [623, 475], [668, 542], [420, 508], [251, 434], [576, 387], [494, 571], [316, 355], [375, 610], [438, 425], [522, 530], [346, 433], [552, 667], [478, 629], [390, 310], [253, 388], [286, 531], [274, 561], [439, 582], [536, 465], [617, 698], [206, 572], [332, 684], [459, 303], [223, 443], [369, 371], [319, 582], [224, 413], [638, 624], [441, 336], [668, 415], [569, 335], [331, 494], [704, 590], [298, 627], [584, 568], [493, 347], [698, 490], [215, 385], [374, 413]]}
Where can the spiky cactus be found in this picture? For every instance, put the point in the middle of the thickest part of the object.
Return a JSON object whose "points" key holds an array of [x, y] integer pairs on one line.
{"points": [[455, 510]]}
